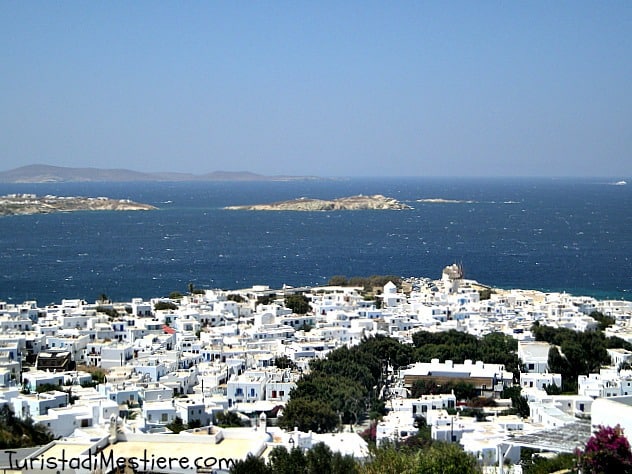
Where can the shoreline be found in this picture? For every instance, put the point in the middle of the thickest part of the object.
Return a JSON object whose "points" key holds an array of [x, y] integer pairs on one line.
{"points": [[601, 295]]}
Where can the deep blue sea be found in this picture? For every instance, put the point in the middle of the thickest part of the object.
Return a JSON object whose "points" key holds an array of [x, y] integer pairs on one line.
{"points": [[572, 235]]}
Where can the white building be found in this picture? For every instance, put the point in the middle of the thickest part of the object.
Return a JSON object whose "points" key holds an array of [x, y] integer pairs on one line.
{"points": [[489, 379], [534, 356], [607, 383], [540, 380], [612, 412]]}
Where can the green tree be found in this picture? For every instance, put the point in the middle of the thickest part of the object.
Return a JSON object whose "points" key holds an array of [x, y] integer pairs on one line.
{"points": [[518, 402], [485, 294], [283, 461], [299, 304], [98, 375], [446, 458], [176, 426], [563, 462], [266, 299], [383, 348], [321, 460], [165, 305], [338, 280], [47, 387], [111, 312], [251, 465], [579, 353], [438, 458], [284, 362], [306, 415], [553, 389], [389, 460], [19, 433], [603, 321], [228, 419]]}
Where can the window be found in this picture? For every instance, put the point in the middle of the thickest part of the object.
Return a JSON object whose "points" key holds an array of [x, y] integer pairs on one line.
{"points": [[164, 417], [239, 392]]}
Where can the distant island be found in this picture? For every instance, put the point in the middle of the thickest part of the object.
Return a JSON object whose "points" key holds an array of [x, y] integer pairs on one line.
{"points": [[352, 203], [444, 201], [59, 174], [21, 204]]}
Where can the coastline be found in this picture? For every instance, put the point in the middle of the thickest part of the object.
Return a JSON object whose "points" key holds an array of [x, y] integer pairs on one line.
{"points": [[553, 239], [29, 204]]}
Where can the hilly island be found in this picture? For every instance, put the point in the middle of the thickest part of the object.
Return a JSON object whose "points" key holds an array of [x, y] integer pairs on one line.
{"points": [[21, 204], [351, 203], [60, 174]]}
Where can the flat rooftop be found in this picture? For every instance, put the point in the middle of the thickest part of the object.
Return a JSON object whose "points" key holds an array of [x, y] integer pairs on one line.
{"points": [[562, 439]]}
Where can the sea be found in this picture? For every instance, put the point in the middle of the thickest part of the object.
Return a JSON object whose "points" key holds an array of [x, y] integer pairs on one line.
{"points": [[563, 235]]}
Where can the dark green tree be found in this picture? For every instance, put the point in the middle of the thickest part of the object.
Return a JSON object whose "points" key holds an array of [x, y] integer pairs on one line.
{"points": [[19, 433], [553, 389], [283, 461], [438, 458], [320, 459], [518, 402], [299, 304], [176, 426], [446, 458], [236, 297], [603, 321], [266, 299], [165, 305], [564, 462], [284, 362], [306, 415], [251, 465], [338, 280], [227, 419]]}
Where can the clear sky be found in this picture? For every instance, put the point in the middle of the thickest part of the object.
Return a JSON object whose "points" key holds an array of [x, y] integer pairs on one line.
{"points": [[326, 88]]}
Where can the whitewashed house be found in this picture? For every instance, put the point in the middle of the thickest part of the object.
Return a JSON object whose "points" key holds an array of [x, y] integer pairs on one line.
{"points": [[539, 380], [534, 356]]}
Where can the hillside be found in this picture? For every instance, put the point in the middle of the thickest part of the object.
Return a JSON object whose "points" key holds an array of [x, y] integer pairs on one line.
{"points": [[59, 174], [351, 203], [21, 204]]}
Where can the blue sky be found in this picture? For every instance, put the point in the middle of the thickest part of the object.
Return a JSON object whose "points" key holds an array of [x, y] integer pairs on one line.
{"points": [[477, 88]]}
